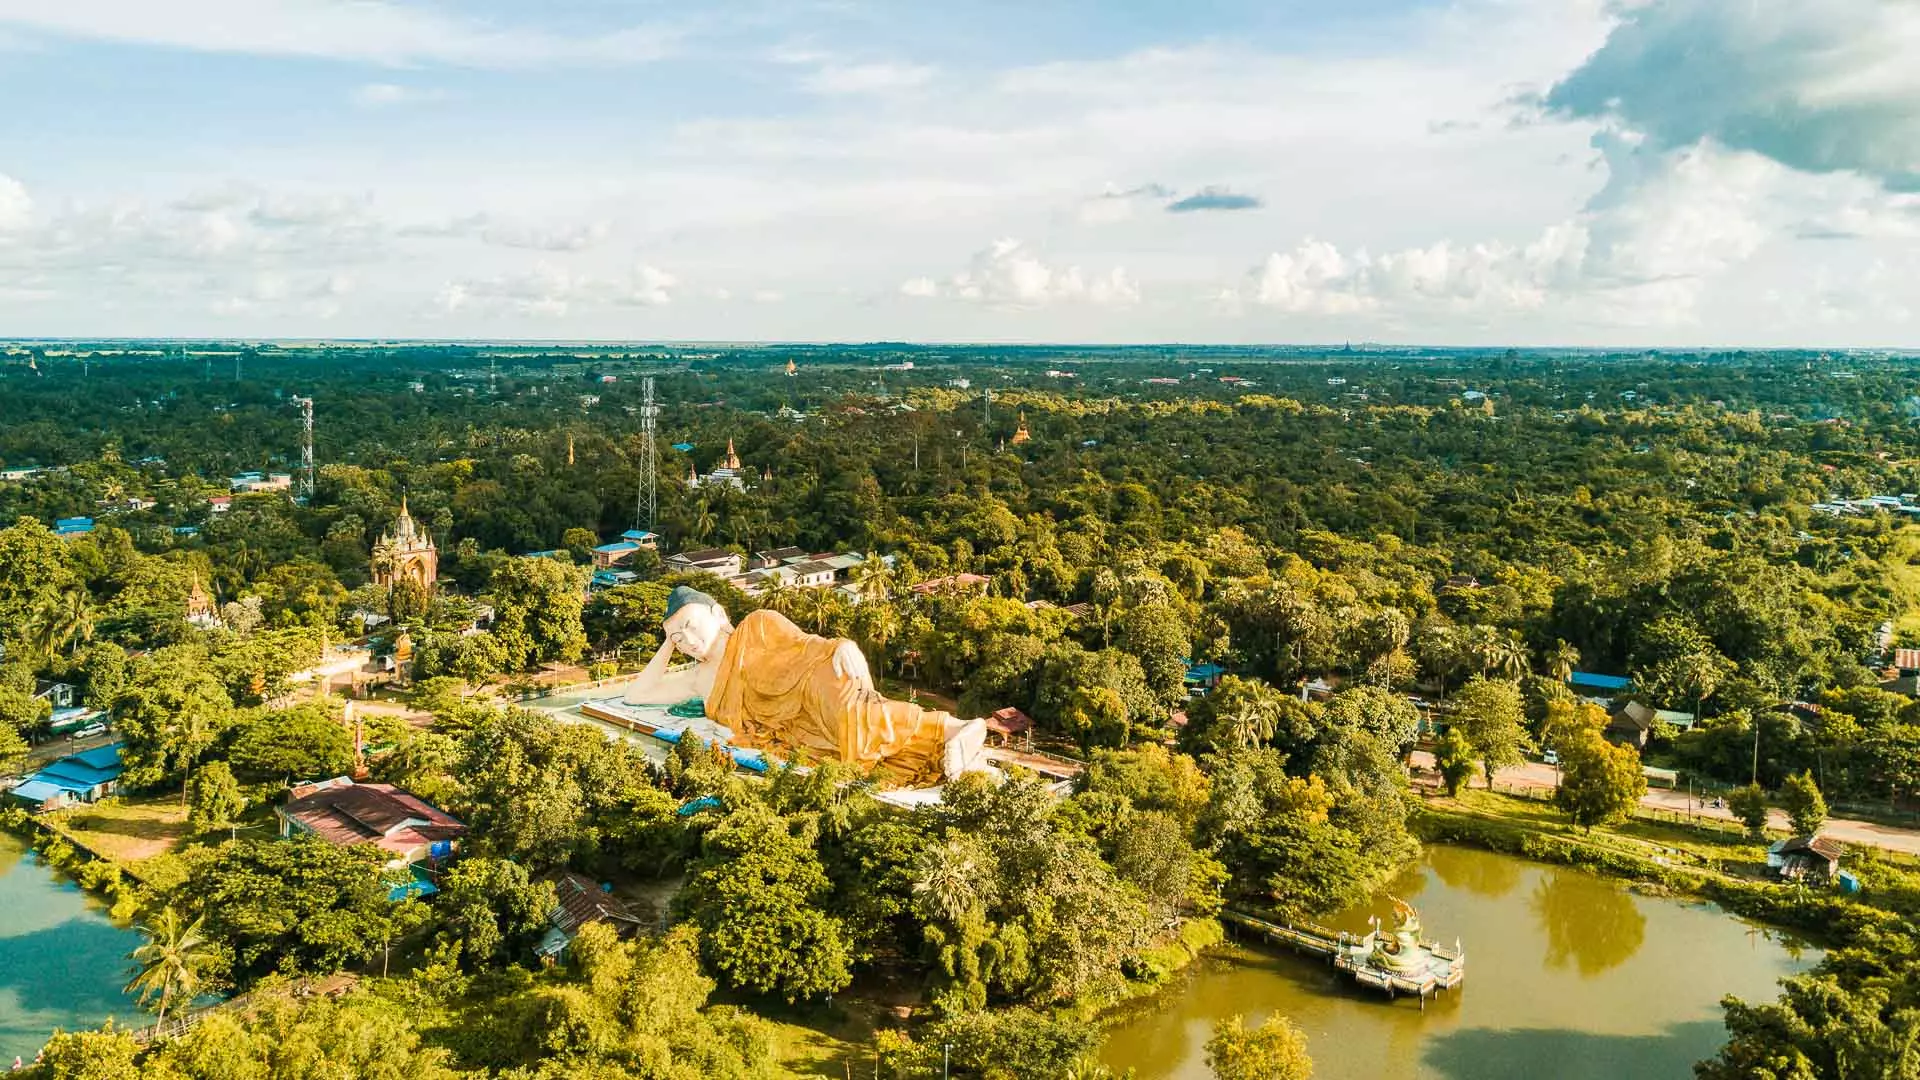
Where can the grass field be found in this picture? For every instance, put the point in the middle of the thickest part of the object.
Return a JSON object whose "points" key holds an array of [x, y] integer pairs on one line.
{"points": [[128, 830]]}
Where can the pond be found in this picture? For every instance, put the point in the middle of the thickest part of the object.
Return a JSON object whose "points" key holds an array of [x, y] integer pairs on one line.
{"points": [[1569, 975], [62, 961]]}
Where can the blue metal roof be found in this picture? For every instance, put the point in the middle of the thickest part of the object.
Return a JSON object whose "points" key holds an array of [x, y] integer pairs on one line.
{"points": [[39, 791], [617, 546], [637, 534], [100, 757], [1599, 682], [683, 447], [72, 774]]}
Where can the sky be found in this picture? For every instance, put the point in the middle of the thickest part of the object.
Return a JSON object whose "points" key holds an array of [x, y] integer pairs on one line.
{"points": [[1497, 172]]}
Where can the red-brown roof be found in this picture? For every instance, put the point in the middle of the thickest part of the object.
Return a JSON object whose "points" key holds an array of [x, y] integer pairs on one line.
{"points": [[347, 813], [957, 581], [1009, 721], [581, 902]]}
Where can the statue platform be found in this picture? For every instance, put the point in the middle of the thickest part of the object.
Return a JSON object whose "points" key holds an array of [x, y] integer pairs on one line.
{"points": [[668, 726]]}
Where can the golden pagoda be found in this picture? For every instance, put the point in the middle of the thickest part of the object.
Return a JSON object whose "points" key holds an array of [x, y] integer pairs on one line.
{"points": [[733, 459], [791, 369], [1020, 434], [406, 553]]}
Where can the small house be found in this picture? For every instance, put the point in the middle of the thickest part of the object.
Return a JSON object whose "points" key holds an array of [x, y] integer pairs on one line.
{"points": [[618, 553], [957, 583], [86, 777], [579, 901], [717, 561], [403, 826], [782, 556], [1801, 856], [1009, 723]]}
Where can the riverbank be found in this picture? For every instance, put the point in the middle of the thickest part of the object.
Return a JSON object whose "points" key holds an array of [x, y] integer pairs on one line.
{"points": [[1674, 859]]}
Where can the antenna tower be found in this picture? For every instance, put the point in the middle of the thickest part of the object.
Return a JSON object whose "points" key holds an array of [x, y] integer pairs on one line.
{"points": [[493, 385], [306, 446], [644, 501], [986, 406]]}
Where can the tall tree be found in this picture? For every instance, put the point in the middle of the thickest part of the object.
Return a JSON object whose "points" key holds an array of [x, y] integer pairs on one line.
{"points": [[171, 962], [1493, 718]]}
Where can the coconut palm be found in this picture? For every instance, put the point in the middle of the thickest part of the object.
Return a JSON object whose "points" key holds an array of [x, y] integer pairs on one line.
{"points": [[873, 579], [170, 962], [1561, 659], [62, 620]]}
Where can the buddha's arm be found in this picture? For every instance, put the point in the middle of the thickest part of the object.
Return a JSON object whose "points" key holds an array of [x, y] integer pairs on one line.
{"points": [[658, 684]]}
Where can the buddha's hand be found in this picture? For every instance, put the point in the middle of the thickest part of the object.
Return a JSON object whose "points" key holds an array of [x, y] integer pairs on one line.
{"points": [[850, 663]]}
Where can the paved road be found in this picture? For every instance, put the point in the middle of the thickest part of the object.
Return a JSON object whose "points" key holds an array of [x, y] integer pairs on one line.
{"points": [[1534, 774]]}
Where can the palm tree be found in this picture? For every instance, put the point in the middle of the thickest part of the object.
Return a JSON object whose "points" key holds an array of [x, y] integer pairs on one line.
{"points": [[873, 579], [777, 593], [946, 880], [62, 620], [169, 962], [1561, 659], [1253, 722], [880, 622], [703, 520]]}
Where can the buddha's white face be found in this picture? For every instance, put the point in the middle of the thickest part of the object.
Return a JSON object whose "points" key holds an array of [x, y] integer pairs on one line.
{"points": [[697, 629]]}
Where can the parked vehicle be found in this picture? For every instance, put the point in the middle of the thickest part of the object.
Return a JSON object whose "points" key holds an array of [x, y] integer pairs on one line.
{"points": [[1551, 757], [89, 731]]}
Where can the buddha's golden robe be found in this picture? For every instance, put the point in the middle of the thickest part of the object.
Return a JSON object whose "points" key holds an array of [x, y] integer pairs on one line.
{"points": [[777, 690]]}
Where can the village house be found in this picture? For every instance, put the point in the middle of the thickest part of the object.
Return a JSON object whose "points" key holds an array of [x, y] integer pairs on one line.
{"points": [[85, 777], [716, 561], [404, 827], [1801, 856], [578, 902]]}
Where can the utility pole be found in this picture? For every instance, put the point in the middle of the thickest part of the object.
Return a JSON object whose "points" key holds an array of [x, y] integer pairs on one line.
{"points": [[1756, 751], [645, 500]]}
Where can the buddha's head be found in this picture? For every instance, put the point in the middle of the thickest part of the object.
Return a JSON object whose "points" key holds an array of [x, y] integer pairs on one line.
{"points": [[696, 623]]}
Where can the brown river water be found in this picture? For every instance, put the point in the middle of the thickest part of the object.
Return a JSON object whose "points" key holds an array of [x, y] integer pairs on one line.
{"points": [[1570, 976]]}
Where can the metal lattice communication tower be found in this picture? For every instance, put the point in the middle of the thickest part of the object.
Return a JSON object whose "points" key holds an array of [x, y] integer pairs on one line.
{"points": [[986, 406], [306, 446], [645, 500]]}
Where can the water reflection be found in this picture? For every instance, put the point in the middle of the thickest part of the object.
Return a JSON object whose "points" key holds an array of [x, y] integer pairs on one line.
{"points": [[1591, 921], [1491, 878], [1477, 1053], [1568, 975]]}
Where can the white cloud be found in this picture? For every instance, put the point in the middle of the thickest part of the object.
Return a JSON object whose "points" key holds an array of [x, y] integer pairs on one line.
{"points": [[375, 31], [550, 290], [504, 232], [1009, 275], [878, 78], [382, 95], [16, 208]]}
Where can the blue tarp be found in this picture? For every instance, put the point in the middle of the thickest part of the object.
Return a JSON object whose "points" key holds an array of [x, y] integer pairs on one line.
{"points": [[694, 806], [418, 886], [683, 447], [1599, 682]]}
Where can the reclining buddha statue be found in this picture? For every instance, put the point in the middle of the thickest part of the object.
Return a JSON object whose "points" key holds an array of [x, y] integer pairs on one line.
{"points": [[781, 689]]}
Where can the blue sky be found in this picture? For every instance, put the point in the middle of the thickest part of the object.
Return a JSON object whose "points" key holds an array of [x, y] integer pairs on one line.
{"points": [[1485, 171]]}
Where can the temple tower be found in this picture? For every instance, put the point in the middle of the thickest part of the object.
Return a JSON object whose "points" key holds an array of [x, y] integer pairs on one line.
{"points": [[406, 553]]}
